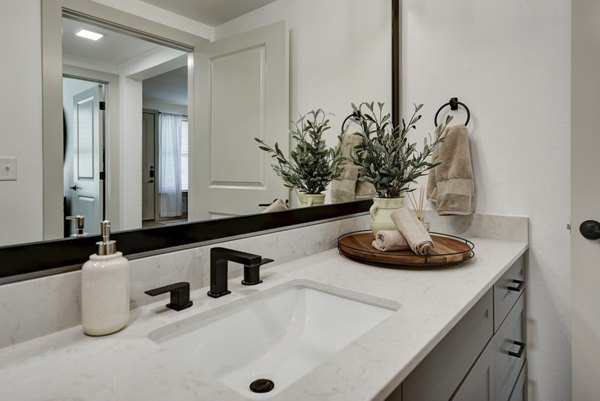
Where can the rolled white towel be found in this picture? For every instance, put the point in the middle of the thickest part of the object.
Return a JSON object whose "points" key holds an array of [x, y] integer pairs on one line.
{"points": [[389, 240], [413, 231], [276, 206]]}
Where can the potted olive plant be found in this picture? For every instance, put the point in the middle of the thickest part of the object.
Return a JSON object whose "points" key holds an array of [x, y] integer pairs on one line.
{"points": [[312, 165], [388, 160]]}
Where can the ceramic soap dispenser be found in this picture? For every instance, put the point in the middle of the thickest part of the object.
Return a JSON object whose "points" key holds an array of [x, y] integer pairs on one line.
{"points": [[105, 288]]}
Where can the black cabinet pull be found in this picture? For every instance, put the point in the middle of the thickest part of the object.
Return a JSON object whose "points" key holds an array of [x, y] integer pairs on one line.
{"points": [[518, 287], [519, 353], [180, 295]]}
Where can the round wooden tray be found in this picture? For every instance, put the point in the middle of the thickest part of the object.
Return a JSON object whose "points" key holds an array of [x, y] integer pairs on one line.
{"points": [[447, 250]]}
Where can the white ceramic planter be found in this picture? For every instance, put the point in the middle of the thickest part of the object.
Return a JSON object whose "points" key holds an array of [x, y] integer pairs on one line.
{"points": [[311, 199], [381, 213]]}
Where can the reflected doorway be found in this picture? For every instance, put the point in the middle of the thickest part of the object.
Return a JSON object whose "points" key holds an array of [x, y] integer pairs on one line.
{"points": [[84, 108], [165, 157], [134, 182]]}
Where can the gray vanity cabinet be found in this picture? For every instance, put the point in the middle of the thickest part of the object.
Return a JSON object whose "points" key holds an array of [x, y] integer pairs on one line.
{"points": [[483, 357], [438, 375], [496, 372], [509, 351]]}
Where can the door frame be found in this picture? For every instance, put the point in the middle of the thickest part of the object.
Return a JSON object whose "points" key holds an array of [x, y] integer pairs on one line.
{"points": [[94, 184], [585, 98], [156, 113]]}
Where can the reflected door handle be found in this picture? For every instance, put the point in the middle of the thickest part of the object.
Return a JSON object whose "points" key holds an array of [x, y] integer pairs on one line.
{"points": [[150, 182], [590, 229], [75, 187]]}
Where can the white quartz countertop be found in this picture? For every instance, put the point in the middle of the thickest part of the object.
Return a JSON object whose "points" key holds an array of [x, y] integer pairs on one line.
{"points": [[127, 366]]}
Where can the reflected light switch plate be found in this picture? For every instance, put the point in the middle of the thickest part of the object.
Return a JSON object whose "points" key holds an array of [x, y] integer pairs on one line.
{"points": [[8, 168]]}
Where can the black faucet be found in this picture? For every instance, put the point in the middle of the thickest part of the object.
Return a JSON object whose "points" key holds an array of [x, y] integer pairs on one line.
{"points": [[218, 269], [180, 295]]}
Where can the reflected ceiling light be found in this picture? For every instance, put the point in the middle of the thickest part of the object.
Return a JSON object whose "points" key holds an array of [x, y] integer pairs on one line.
{"points": [[89, 34]]}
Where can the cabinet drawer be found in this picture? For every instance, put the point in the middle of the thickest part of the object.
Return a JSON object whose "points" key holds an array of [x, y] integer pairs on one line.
{"points": [[509, 350], [507, 290], [440, 373], [520, 391]]}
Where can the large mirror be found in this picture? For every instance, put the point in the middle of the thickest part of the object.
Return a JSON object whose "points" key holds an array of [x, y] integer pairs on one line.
{"points": [[154, 123]]}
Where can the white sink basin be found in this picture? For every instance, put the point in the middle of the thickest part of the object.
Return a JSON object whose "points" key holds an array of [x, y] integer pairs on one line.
{"points": [[279, 334]]}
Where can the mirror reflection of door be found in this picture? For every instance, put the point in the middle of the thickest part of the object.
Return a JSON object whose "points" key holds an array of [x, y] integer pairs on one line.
{"points": [[83, 167], [247, 97]]}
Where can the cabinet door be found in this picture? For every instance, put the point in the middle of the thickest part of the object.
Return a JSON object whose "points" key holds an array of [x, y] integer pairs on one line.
{"points": [[520, 391], [440, 373], [479, 383], [509, 351]]}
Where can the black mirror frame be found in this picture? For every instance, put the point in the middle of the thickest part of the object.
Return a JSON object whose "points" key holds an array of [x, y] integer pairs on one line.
{"points": [[46, 257]]}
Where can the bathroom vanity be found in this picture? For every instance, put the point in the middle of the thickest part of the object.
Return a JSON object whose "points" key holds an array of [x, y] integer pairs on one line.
{"points": [[438, 334], [483, 358]]}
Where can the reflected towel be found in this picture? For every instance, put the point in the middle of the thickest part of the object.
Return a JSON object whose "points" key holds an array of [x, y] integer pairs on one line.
{"points": [[348, 187], [276, 206], [390, 240], [413, 231], [343, 189]]}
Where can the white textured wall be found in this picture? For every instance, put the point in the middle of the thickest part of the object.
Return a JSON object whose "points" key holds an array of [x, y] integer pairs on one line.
{"points": [[509, 61], [21, 116]]}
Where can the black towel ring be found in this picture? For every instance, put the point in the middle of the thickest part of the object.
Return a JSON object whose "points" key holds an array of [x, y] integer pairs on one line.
{"points": [[355, 114], [453, 103]]}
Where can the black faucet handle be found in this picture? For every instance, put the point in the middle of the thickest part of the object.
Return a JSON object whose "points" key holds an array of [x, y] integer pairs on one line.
{"points": [[252, 272], [263, 261], [218, 269], [180, 295]]}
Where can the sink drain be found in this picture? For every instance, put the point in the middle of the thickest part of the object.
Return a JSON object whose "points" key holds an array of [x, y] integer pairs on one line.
{"points": [[262, 386]]}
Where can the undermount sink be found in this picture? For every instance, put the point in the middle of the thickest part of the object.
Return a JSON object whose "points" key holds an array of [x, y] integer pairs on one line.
{"points": [[278, 334]]}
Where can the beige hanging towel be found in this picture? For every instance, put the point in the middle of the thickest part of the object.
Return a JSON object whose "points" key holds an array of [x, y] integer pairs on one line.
{"points": [[451, 185]]}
